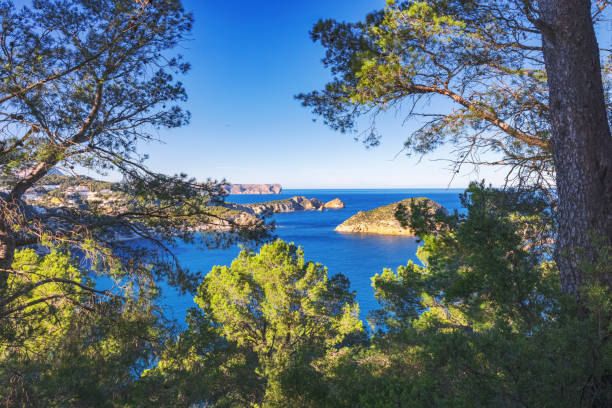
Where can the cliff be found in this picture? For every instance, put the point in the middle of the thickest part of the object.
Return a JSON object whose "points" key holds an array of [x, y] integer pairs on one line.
{"points": [[246, 214], [382, 220], [254, 189], [228, 218]]}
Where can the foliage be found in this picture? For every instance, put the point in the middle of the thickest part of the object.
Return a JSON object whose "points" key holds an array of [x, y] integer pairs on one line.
{"points": [[64, 182], [421, 216], [484, 322], [481, 322], [65, 347], [388, 219], [471, 72], [85, 80], [265, 327], [83, 84]]}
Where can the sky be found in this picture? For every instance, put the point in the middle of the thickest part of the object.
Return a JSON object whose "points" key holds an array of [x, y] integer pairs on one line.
{"points": [[248, 60]]}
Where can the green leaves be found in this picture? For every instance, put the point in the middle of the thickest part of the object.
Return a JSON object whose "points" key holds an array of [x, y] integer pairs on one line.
{"points": [[478, 55], [275, 302], [66, 341], [401, 296], [280, 318], [484, 321]]}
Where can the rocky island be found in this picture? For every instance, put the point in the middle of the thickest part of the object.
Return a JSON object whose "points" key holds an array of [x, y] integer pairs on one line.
{"points": [[254, 189], [382, 220], [297, 203], [247, 213], [334, 204]]}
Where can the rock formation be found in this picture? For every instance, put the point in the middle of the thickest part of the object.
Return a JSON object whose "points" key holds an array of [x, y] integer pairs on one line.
{"points": [[225, 218], [292, 204], [246, 214], [382, 220], [254, 189], [334, 204]]}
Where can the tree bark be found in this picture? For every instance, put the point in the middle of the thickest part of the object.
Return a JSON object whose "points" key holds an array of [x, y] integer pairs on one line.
{"points": [[582, 143], [7, 251]]}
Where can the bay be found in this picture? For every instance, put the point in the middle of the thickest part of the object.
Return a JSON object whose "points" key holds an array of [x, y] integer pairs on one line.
{"points": [[357, 256]]}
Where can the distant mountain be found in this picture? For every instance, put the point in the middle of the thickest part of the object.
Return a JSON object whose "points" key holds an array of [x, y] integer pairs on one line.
{"points": [[254, 188]]}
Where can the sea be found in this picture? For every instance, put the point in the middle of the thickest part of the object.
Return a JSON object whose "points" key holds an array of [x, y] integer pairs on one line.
{"points": [[358, 256]]}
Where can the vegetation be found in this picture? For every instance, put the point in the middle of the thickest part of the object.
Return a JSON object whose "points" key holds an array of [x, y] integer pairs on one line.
{"points": [[483, 322], [502, 65], [510, 306], [82, 83], [484, 57], [64, 346], [63, 182], [266, 327]]}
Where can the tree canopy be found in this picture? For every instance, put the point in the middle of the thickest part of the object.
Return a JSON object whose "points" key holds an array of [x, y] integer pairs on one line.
{"points": [[496, 63], [266, 323], [481, 321], [509, 304], [82, 84], [483, 57]]}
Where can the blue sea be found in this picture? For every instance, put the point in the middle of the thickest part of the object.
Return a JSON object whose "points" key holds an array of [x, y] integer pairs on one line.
{"points": [[357, 256]]}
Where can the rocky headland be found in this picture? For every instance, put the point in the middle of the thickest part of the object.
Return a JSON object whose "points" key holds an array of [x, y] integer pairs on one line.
{"points": [[58, 193], [244, 214], [254, 189], [382, 220], [297, 203]]}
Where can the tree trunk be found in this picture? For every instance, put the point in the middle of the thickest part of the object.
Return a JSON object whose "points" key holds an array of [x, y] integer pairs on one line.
{"points": [[582, 144], [7, 252]]}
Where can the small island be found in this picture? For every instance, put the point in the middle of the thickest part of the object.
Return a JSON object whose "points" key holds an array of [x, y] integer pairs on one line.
{"points": [[334, 204], [382, 220]]}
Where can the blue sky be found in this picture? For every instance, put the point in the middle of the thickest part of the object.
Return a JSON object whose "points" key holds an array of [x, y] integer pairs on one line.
{"points": [[249, 59]]}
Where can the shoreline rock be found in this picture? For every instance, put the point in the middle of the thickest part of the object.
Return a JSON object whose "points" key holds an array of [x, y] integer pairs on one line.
{"points": [[334, 204], [247, 213], [297, 203]]}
